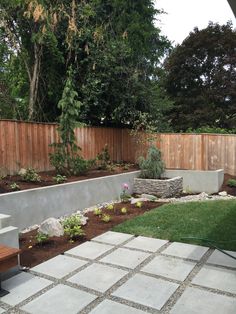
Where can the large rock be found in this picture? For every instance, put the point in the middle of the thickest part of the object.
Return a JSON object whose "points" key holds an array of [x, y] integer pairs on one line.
{"points": [[51, 227]]}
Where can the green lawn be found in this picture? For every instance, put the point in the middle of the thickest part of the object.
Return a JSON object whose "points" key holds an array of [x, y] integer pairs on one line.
{"points": [[214, 220]]}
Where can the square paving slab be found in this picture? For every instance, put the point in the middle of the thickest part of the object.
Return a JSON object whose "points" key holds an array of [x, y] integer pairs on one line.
{"points": [[219, 258], [147, 291], [196, 301], [146, 244], [110, 307], [61, 300], [98, 277], [22, 286], [1, 310], [216, 278], [194, 252], [125, 258], [113, 238], [59, 266], [169, 267], [90, 250]]}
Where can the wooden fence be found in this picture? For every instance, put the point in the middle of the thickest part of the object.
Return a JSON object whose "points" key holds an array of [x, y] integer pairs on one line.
{"points": [[24, 144]]}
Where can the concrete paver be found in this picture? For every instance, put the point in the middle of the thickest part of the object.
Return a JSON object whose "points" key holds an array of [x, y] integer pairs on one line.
{"points": [[59, 266], [219, 258], [146, 291], [1, 310], [216, 278], [113, 238], [146, 244], [61, 300], [196, 301], [111, 307], [22, 286], [125, 258], [169, 267], [98, 277], [90, 250], [183, 250]]}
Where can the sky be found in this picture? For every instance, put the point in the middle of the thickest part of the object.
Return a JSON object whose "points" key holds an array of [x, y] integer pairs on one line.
{"points": [[184, 15]]}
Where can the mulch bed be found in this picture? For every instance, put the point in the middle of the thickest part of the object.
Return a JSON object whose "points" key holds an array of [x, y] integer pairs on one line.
{"points": [[47, 178], [34, 254], [225, 187]]}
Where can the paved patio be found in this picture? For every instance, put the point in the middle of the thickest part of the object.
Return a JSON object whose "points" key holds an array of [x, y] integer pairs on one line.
{"points": [[120, 274]]}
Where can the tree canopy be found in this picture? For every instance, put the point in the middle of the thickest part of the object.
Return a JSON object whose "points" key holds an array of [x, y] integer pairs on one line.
{"points": [[113, 46], [201, 79]]}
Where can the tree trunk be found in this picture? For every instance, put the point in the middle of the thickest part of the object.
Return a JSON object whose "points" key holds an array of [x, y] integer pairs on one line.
{"points": [[34, 81]]}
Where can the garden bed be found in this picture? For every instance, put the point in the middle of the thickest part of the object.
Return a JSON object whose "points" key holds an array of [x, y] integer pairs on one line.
{"points": [[47, 178], [33, 253]]}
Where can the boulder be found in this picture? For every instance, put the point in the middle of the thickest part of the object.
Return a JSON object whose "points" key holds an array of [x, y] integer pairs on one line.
{"points": [[149, 197], [51, 227], [136, 200], [223, 193]]}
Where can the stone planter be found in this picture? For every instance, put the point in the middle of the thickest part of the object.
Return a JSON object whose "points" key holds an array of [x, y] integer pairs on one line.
{"points": [[158, 187]]}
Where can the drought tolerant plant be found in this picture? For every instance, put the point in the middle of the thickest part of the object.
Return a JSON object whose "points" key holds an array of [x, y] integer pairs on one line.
{"points": [[30, 175], [41, 237], [59, 178], [124, 210], [14, 186], [153, 166], [106, 218], [124, 196], [110, 207], [231, 183], [97, 211], [138, 204]]}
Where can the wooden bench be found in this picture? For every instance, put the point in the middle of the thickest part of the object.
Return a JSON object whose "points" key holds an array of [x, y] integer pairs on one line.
{"points": [[8, 260]]}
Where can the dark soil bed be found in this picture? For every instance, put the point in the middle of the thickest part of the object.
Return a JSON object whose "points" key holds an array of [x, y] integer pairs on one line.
{"points": [[33, 254], [47, 178], [225, 187]]}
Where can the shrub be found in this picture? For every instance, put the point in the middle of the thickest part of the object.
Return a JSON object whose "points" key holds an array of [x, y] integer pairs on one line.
{"points": [[110, 207], [59, 179], [231, 183], [104, 158], [152, 167], [106, 218], [41, 237], [138, 204], [73, 232], [30, 175]]}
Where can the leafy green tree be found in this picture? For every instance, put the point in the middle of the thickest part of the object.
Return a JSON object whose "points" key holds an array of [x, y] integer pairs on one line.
{"points": [[201, 79]]}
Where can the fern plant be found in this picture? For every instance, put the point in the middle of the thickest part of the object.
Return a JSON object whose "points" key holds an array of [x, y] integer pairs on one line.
{"points": [[153, 166]]}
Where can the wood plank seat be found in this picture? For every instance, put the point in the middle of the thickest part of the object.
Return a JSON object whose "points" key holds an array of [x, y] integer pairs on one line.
{"points": [[8, 260]]}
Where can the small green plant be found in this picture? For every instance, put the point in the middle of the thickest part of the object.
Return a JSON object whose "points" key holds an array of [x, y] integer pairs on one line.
{"points": [[97, 211], [30, 175], [104, 158], [73, 232], [41, 237], [110, 207], [152, 167], [138, 204], [106, 218], [15, 187], [59, 179], [72, 226], [231, 183], [124, 210]]}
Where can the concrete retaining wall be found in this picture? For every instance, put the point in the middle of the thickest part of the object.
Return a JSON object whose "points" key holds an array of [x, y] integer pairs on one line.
{"points": [[197, 181], [33, 206]]}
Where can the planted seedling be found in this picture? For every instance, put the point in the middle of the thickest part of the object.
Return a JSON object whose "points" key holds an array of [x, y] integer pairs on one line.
{"points": [[74, 231], [139, 204], [15, 187], [124, 210], [59, 179], [106, 218], [110, 207], [97, 211], [41, 238]]}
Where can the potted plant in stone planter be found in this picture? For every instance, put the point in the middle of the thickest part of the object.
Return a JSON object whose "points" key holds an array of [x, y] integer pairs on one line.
{"points": [[151, 180]]}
